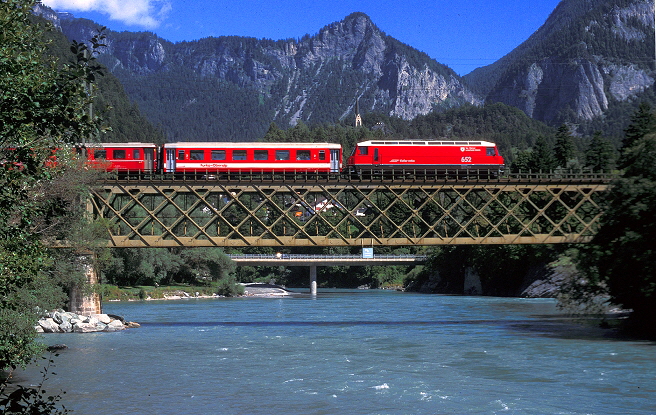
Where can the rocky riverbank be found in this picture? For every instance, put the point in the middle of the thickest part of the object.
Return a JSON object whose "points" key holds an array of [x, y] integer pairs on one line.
{"points": [[66, 322]]}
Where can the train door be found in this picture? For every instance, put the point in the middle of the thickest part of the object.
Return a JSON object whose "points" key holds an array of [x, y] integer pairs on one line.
{"points": [[334, 161], [170, 160], [376, 158], [149, 160]]}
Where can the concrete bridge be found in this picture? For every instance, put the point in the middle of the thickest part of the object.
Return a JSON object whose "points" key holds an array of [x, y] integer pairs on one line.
{"points": [[313, 261]]}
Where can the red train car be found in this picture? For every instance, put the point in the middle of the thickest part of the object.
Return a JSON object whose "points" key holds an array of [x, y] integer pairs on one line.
{"points": [[210, 158], [122, 157], [437, 156]]}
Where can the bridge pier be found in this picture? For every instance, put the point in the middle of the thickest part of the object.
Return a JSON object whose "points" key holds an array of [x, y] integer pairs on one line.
{"points": [[82, 303], [313, 279]]}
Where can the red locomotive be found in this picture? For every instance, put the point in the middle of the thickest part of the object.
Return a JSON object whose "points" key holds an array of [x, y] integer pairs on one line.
{"points": [[205, 159], [429, 156]]}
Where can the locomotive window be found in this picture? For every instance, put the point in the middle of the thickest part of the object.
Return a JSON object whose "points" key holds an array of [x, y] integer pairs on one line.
{"points": [[282, 154], [218, 155], [136, 155], [261, 155], [119, 154], [302, 154], [364, 151], [196, 155], [489, 151], [322, 154], [100, 154], [180, 154], [239, 154]]}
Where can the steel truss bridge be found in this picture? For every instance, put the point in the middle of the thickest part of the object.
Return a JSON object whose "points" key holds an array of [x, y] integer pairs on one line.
{"points": [[301, 211]]}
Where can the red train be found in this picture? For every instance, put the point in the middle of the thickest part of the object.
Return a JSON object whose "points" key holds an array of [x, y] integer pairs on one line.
{"points": [[433, 156], [207, 159]]}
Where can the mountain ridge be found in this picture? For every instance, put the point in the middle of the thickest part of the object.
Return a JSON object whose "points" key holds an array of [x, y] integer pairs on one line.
{"points": [[573, 69]]}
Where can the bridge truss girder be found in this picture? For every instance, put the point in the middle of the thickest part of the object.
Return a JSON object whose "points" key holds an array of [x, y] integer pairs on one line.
{"points": [[314, 214]]}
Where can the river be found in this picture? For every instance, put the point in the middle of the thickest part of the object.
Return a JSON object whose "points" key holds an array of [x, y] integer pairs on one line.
{"points": [[353, 352]]}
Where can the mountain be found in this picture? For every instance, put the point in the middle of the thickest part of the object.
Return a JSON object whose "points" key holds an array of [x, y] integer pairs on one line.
{"points": [[232, 88], [589, 65], [587, 57]]}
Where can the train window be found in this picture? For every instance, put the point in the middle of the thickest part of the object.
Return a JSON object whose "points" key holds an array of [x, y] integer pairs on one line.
{"points": [[100, 154], [364, 151], [119, 154], [322, 154], [180, 154], [261, 155], [196, 155], [239, 154], [218, 155], [489, 151], [136, 154], [282, 154], [302, 154]]}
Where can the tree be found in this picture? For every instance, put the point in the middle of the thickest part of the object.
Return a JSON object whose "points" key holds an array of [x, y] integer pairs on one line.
{"points": [[622, 255], [542, 157], [600, 155], [564, 151], [41, 108], [642, 123]]}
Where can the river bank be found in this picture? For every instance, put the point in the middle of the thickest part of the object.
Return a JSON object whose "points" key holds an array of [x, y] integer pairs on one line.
{"points": [[112, 293]]}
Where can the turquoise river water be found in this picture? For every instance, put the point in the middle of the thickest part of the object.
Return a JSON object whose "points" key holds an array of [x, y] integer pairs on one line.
{"points": [[353, 352]]}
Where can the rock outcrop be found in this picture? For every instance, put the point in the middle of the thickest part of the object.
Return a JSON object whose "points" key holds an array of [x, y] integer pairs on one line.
{"points": [[578, 62], [65, 322]]}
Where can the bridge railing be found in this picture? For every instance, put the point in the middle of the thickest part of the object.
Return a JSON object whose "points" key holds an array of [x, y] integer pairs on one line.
{"points": [[323, 256], [396, 176]]}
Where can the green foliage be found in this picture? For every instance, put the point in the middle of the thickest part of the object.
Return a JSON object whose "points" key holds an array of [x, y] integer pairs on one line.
{"points": [[600, 155], [622, 255], [132, 267], [42, 107], [31, 400], [642, 123], [564, 148]]}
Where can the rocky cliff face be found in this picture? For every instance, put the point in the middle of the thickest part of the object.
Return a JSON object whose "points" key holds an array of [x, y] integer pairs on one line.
{"points": [[345, 62], [576, 79]]}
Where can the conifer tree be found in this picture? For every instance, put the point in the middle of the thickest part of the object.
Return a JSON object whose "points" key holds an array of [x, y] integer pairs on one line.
{"points": [[600, 155], [564, 150]]}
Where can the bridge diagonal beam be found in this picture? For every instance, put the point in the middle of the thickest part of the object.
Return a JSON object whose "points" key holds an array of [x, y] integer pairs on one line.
{"points": [[348, 214]]}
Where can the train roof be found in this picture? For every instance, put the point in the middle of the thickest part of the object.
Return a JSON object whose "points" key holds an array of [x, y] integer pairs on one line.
{"points": [[256, 144], [425, 143], [117, 145]]}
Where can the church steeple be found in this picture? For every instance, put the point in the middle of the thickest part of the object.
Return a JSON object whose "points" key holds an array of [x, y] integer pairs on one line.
{"points": [[358, 119]]}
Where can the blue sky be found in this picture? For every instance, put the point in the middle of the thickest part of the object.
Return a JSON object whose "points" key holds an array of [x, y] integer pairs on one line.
{"points": [[461, 34]]}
